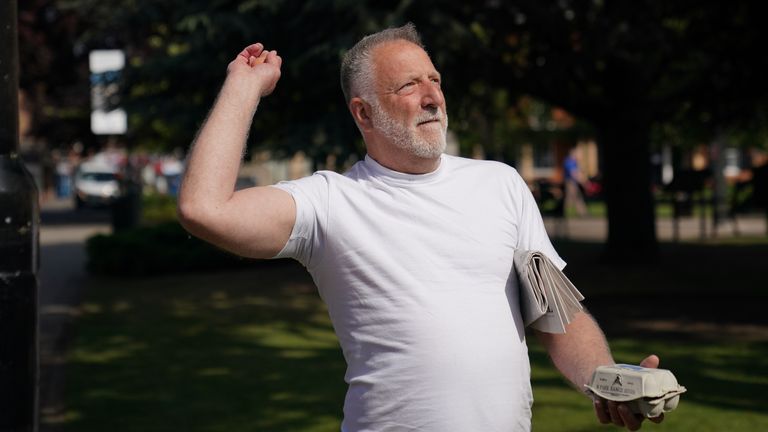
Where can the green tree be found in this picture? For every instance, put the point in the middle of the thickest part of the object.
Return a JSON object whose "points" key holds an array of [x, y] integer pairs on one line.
{"points": [[624, 67], [179, 50], [53, 72]]}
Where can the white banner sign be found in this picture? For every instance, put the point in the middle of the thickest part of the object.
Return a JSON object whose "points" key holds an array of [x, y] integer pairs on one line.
{"points": [[107, 118]]}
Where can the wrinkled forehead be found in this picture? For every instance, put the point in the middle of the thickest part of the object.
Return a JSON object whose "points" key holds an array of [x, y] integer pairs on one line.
{"points": [[397, 60]]}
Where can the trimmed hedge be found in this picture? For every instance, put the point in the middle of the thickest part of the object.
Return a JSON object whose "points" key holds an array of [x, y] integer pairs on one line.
{"points": [[157, 208], [154, 250]]}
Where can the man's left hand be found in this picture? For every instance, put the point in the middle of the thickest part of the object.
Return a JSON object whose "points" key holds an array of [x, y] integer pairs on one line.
{"points": [[619, 413]]}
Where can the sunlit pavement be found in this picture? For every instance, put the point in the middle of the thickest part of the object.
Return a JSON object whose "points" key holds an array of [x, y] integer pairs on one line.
{"points": [[62, 272], [689, 228]]}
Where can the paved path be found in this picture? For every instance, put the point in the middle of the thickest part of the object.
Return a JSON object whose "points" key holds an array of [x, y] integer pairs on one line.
{"points": [[62, 275], [690, 228]]}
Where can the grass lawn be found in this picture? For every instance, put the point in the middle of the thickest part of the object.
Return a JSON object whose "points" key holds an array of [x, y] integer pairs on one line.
{"points": [[253, 350]]}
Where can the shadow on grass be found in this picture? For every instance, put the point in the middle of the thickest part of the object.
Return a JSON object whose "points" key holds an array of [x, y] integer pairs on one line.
{"points": [[700, 308], [254, 350], [725, 376], [247, 351], [711, 282]]}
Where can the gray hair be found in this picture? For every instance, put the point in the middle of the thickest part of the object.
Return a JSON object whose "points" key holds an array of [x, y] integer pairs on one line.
{"points": [[356, 65]]}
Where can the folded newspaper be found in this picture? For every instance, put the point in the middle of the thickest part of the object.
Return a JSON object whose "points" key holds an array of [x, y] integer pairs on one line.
{"points": [[548, 300], [648, 392]]}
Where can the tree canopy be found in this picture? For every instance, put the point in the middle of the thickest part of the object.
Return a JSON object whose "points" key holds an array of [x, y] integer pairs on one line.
{"points": [[690, 68], [626, 67]]}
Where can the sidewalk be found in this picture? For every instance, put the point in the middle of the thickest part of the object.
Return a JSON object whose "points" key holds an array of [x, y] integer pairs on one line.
{"points": [[62, 274], [596, 229]]}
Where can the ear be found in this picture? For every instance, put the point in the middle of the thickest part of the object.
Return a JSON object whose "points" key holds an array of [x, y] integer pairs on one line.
{"points": [[361, 113]]}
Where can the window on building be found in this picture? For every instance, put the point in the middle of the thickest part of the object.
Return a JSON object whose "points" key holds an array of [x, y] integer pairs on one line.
{"points": [[544, 155]]}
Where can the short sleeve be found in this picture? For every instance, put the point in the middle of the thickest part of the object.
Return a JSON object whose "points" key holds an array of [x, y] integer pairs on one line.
{"points": [[311, 197], [532, 234]]}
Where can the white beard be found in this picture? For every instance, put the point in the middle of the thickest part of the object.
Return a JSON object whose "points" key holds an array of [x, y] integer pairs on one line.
{"points": [[407, 137]]}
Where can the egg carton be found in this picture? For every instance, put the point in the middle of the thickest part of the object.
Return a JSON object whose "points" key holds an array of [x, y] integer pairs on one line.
{"points": [[649, 392]]}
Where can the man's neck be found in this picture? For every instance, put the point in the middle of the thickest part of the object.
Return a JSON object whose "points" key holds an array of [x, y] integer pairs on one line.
{"points": [[407, 164]]}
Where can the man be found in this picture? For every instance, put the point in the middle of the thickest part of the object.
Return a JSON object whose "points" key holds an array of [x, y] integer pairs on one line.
{"points": [[411, 249], [573, 182]]}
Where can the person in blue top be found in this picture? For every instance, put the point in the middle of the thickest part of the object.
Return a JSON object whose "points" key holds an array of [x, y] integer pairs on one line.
{"points": [[573, 180]]}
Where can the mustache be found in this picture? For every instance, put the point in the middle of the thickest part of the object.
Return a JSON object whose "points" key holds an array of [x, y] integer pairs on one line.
{"points": [[437, 115]]}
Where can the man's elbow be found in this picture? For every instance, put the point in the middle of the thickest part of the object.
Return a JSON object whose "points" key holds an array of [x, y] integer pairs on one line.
{"points": [[193, 216]]}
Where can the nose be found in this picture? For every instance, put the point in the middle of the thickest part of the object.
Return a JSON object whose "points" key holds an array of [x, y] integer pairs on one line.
{"points": [[432, 96]]}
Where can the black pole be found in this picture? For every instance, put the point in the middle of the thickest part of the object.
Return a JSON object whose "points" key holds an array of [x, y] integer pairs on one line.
{"points": [[19, 237]]}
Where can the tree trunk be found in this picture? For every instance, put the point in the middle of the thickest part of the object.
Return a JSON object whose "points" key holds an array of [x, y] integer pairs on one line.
{"points": [[624, 143]]}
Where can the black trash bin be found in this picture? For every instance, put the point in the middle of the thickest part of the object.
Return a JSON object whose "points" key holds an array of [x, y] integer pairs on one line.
{"points": [[126, 209]]}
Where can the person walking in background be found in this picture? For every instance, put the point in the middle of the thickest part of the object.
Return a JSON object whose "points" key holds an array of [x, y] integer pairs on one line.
{"points": [[411, 249], [574, 182], [64, 171]]}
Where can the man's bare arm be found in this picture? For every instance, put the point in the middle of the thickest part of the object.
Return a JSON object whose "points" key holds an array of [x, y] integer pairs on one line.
{"points": [[578, 352], [254, 222]]}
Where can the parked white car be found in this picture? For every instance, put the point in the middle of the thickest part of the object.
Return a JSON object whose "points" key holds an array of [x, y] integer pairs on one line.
{"points": [[96, 184]]}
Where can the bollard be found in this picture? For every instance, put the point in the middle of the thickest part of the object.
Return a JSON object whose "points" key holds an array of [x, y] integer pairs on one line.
{"points": [[19, 240], [19, 228]]}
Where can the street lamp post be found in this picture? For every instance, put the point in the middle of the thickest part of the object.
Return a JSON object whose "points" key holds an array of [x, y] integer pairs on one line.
{"points": [[19, 238]]}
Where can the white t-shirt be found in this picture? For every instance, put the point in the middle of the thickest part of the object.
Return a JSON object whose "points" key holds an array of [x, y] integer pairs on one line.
{"points": [[417, 274]]}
